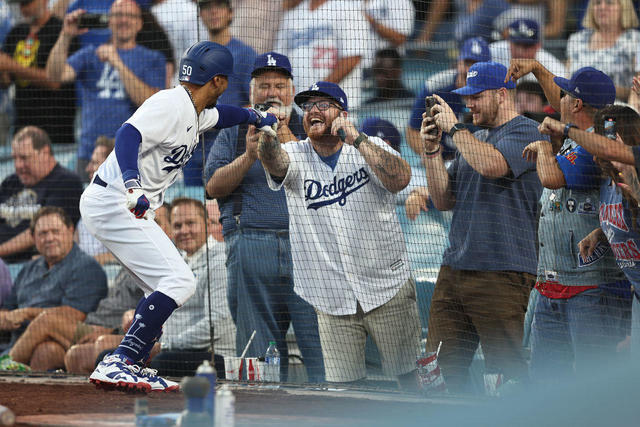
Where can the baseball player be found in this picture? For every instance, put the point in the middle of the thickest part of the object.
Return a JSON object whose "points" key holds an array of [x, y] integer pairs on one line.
{"points": [[151, 148]]}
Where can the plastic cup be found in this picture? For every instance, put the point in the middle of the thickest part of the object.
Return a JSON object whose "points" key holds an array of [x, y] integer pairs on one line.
{"points": [[233, 368]]}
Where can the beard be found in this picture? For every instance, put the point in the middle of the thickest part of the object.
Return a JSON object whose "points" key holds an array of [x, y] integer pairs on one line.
{"points": [[278, 108], [488, 115]]}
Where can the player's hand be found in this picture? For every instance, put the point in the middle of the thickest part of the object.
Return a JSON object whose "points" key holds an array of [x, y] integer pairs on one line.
{"points": [[70, 24], [551, 127], [589, 243], [416, 202], [137, 202], [108, 53], [443, 114], [350, 131], [251, 141], [531, 151], [264, 122], [519, 68]]}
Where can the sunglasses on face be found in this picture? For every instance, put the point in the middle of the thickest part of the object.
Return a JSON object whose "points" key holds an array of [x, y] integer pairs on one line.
{"points": [[322, 105]]}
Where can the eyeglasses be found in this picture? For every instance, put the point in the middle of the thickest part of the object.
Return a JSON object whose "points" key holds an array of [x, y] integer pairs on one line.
{"points": [[322, 105]]}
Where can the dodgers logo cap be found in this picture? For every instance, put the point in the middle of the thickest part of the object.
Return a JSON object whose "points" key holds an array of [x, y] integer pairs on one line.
{"points": [[524, 31], [383, 129], [328, 89], [272, 61], [592, 86], [475, 49], [485, 76]]}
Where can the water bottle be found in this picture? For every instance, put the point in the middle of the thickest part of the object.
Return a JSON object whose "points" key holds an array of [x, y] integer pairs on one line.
{"points": [[209, 372], [225, 408], [272, 363]]}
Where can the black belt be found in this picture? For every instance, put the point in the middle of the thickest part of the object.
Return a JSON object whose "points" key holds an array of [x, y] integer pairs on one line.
{"points": [[100, 182]]}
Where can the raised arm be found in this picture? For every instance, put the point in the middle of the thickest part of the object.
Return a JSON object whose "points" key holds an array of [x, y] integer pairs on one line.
{"points": [[521, 67], [57, 68], [437, 175], [273, 157], [549, 171]]}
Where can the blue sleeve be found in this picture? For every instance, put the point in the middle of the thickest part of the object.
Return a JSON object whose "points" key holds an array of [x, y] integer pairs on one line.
{"points": [[222, 151], [156, 70], [579, 170], [86, 286], [128, 140], [415, 121], [79, 60], [513, 140], [229, 115]]}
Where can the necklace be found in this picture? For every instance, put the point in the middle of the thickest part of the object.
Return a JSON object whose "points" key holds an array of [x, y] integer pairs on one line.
{"points": [[194, 107]]}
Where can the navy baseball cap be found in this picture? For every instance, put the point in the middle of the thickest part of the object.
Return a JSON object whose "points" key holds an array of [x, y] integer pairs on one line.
{"points": [[328, 89], [272, 61], [475, 49], [383, 129], [592, 86], [485, 76], [524, 31]]}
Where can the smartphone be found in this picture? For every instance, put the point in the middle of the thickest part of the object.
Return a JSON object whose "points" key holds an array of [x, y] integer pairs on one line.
{"points": [[93, 20], [429, 102], [610, 127]]}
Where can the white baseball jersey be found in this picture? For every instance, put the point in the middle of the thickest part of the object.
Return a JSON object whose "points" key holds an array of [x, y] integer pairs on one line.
{"points": [[397, 15], [315, 40], [501, 53], [346, 241], [169, 127]]}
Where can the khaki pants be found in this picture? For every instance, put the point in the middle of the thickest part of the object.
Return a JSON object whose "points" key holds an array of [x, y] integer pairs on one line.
{"points": [[394, 328], [479, 306]]}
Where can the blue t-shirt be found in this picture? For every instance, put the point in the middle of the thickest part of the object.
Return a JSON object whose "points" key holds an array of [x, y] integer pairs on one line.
{"points": [[623, 235], [77, 281], [579, 169], [105, 103], [493, 227], [237, 92], [259, 206]]}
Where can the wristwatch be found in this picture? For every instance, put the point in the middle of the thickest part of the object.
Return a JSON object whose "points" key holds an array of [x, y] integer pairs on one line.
{"points": [[567, 128], [457, 127], [361, 137]]}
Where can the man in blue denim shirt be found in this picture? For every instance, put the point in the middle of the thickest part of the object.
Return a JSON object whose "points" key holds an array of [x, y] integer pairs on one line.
{"points": [[64, 277], [255, 225]]}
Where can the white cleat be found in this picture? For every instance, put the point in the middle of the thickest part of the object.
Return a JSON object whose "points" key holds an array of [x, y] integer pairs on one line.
{"points": [[114, 372], [156, 383]]}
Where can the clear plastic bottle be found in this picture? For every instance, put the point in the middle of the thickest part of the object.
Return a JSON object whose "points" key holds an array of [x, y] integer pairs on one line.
{"points": [[225, 408], [272, 363]]}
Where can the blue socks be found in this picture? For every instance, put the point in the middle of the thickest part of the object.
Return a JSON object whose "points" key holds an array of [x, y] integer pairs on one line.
{"points": [[150, 315]]}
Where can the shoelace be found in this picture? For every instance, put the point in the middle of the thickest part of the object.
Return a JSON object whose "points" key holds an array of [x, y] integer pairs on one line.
{"points": [[148, 372]]}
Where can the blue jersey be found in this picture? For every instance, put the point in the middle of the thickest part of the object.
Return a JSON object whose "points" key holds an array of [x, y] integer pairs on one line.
{"points": [[623, 235], [243, 58], [105, 102]]}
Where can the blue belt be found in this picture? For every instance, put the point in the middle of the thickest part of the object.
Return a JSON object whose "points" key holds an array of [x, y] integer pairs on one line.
{"points": [[100, 182]]}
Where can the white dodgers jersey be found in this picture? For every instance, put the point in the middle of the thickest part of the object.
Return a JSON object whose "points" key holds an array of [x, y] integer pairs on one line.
{"points": [[346, 242], [170, 128]]}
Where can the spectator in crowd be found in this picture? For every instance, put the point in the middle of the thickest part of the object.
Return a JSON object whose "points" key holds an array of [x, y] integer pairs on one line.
{"points": [[483, 286], [114, 78], [326, 40], [391, 23], [217, 16], [473, 50], [523, 42], [186, 340], [77, 337], [387, 73], [39, 101], [530, 98], [554, 26], [6, 106], [609, 43], [251, 17], [354, 294], [6, 284], [38, 181], [572, 325], [89, 244], [255, 224], [473, 18], [63, 277]]}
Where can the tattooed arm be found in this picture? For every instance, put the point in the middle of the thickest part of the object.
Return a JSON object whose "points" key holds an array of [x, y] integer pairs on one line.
{"points": [[393, 171], [274, 159]]}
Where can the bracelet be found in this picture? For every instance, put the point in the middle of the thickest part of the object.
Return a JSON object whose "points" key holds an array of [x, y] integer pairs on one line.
{"points": [[361, 137], [568, 127], [432, 154]]}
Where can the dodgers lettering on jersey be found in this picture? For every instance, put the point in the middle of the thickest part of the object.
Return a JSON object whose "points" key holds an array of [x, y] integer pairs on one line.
{"points": [[335, 192], [170, 132]]}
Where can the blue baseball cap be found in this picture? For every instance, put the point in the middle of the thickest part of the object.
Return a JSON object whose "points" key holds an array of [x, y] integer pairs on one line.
{"points": [[592, 86], [485, 76], [328, 89], [383, 129], [272, 61], [524, 31], [475, 49]]}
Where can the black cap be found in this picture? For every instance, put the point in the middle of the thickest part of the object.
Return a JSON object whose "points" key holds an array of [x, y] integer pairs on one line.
{"points": [[219, 2]]}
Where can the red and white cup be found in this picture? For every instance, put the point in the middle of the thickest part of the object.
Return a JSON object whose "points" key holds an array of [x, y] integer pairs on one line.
{"points": [[430, 378]]}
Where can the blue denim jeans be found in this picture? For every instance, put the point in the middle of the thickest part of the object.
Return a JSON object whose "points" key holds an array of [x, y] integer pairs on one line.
{"points": [[575, 334], [261, 298]]}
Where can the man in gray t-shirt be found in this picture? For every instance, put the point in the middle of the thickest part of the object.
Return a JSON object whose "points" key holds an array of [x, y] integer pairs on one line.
{"points": [[489, 268]]}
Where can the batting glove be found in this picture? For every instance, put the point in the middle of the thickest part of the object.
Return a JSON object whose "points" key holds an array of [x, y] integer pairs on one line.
{"points": [[137, 202], [266, 122]]}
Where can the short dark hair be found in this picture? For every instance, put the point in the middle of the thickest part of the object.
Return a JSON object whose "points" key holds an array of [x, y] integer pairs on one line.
{"points": [[531, 87], [50, 210], [189, 201], [390, 53], [39, 137]]}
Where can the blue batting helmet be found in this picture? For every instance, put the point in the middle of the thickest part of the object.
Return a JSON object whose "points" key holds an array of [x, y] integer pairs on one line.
{"points": [[203, 61]]}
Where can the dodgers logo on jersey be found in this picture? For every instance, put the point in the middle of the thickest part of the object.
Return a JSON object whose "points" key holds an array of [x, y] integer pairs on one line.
{"points": [[335, 192], [613, 215], [598, 253], [178, 157]]}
